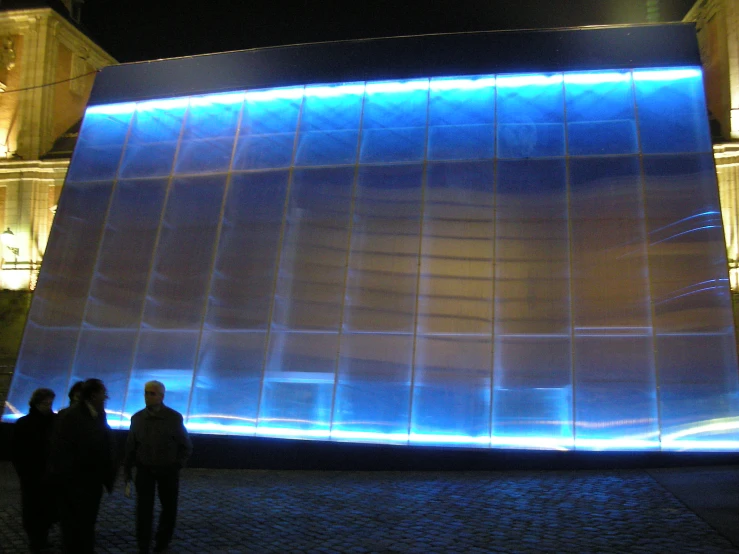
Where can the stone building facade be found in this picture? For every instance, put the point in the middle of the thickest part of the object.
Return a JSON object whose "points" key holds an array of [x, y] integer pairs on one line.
{"points": [[717, 26], [47, 68]]}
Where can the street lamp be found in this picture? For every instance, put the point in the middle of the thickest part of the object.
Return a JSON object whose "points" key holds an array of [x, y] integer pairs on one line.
{"points": [[10, 241]]}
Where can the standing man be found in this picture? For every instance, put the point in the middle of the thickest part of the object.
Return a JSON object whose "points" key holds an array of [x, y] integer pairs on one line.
{"points": [[30, 451], [158, 445], [83, 462], [74, 397]]}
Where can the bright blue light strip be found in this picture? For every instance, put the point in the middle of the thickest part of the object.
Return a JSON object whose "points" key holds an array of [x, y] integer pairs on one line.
{"points": [[685, 440], [397, 86], [666, 74], [153, 105], [230, 98], [290, 93], [112, 109], [462, 84], [516, 81], [437, 83], [596, 78], [331, 91]]}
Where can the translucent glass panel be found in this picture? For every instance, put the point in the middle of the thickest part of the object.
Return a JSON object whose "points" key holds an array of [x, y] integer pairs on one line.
{"points": [[532, 395], [531, 116], [242, 282], [672, 111], [611, 309], [520, 261], [208, 134], [600, 114], [97, 155], [153, 139], [382, 273], [329, 125], [693, 321], [461, 119]]}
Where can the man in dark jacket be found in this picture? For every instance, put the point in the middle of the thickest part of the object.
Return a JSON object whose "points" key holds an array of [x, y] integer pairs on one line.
{"points": [[158, 446], [83, 462], [74, 397], [30, 455]]}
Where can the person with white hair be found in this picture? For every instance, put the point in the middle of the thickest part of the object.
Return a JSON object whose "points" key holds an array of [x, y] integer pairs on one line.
{"points": [[158, 446]]}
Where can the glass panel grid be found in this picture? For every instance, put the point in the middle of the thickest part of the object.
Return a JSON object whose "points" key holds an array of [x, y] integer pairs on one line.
{"points": [[515, 261]]}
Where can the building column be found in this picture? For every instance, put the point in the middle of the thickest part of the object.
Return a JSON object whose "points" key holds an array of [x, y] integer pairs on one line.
{"points": [[37, 101]]}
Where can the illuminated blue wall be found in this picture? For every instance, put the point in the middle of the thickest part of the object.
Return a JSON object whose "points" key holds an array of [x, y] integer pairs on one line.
{"points": [[529, 261]]}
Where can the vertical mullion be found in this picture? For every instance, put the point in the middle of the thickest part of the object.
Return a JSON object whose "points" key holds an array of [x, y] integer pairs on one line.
{"points": [[214, 257], [350, 231], [647, 257], [493, 263], [278, 259], [568, 194], [424, 177]]}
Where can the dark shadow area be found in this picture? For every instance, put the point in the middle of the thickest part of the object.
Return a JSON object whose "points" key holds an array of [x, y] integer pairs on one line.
{"points": [[710, 492]]}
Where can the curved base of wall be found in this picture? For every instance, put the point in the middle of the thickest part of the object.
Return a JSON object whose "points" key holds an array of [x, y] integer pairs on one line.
{"points": [[230, 452]]}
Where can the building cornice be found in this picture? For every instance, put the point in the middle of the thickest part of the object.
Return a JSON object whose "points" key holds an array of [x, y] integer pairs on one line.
{"points": [[19, 21], [14, 166]]}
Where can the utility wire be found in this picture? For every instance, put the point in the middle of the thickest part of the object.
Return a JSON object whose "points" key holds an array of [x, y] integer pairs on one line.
{"points": [[50, 84]]}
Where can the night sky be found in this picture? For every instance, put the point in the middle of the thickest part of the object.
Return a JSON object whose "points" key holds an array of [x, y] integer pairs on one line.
{"points": [[135, 30]]}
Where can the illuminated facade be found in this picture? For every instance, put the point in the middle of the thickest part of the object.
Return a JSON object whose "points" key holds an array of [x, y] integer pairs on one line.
{"points": [[447, 249], [47, 67], [717, 24]]}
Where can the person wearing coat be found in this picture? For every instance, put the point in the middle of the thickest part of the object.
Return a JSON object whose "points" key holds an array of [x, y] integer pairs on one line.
{"points": [[83, 462], [74, 398], [30, 456], [158, 446]]}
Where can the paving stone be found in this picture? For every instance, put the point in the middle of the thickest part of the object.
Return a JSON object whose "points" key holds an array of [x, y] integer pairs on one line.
{"points": [[327, 512]]}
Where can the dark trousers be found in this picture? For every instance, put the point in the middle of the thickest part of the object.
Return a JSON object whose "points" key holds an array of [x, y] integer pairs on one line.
{"points": [[166, 481], [38, 510], [79, 503]]}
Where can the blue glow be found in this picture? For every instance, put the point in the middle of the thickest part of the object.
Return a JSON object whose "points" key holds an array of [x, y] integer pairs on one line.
{"points": [[424, 438], [361, 259], [334, 91], [462, 84], [595, 78], [516, 81], [211, 99], [397, 86], [112, 109], [287, 93], [685, 219], [687, 232], [666, 74], [164, 105], [682, 441]]}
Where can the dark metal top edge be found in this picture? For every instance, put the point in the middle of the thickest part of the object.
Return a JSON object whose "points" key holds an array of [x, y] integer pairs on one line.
{"points": [[549, 50]]}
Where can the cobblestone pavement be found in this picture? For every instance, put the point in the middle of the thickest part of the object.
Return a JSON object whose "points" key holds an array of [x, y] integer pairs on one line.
{"points": [[234, 511]]}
